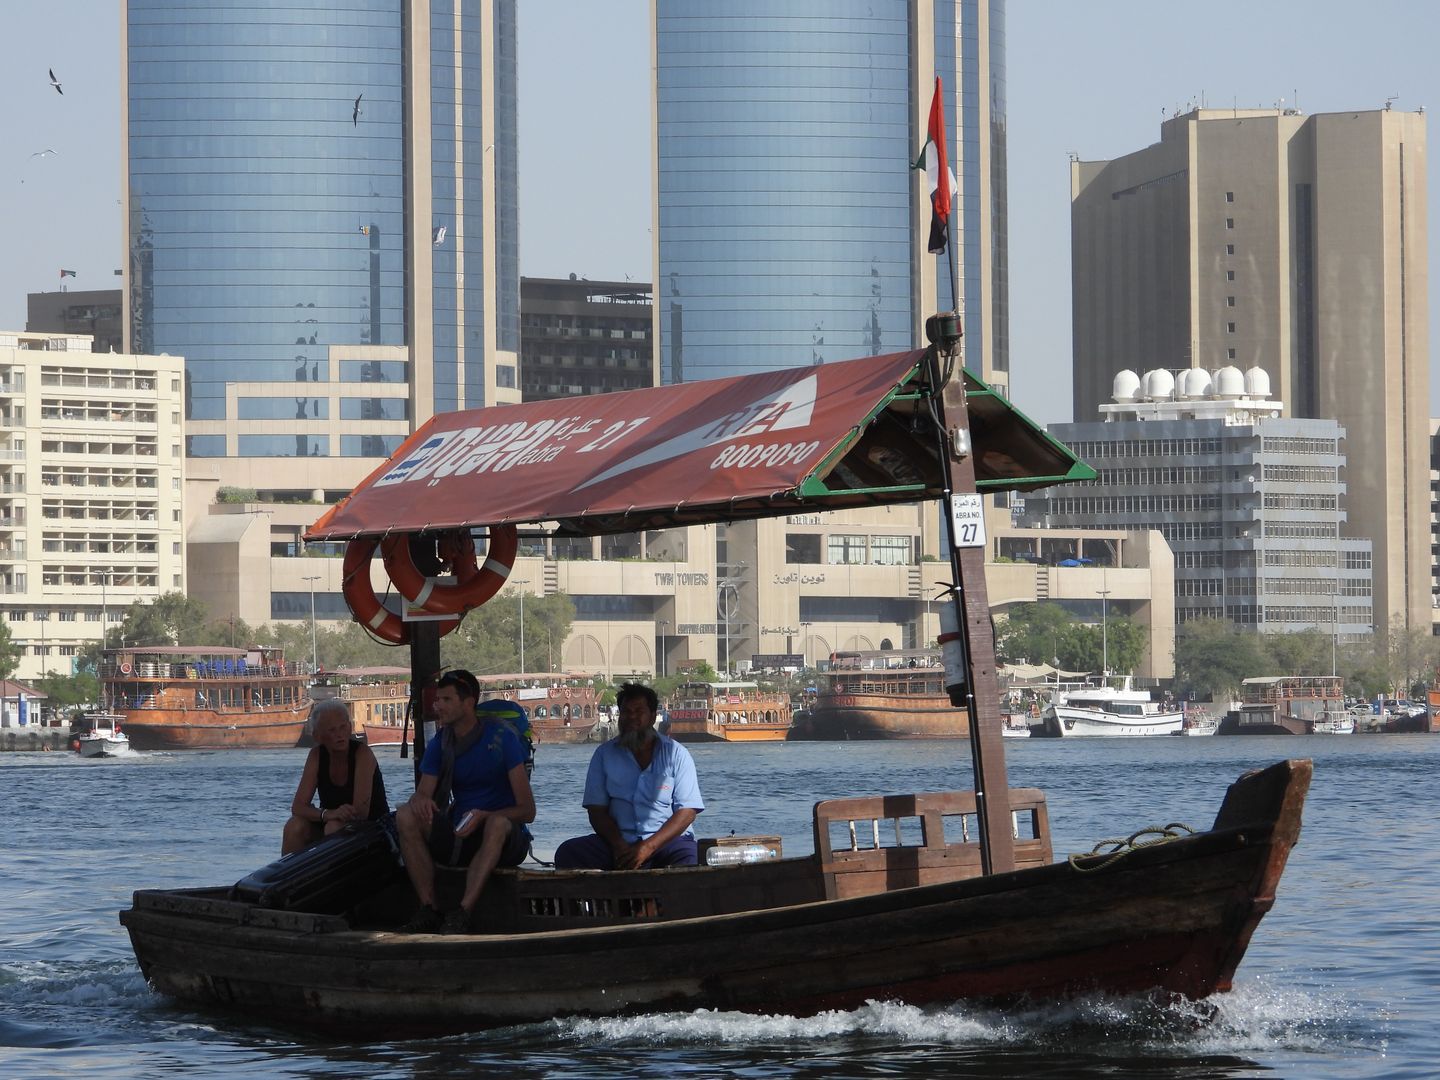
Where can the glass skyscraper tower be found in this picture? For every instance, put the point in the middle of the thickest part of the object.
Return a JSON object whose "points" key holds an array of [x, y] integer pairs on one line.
{"points": [[791, 227], [321, 218]]}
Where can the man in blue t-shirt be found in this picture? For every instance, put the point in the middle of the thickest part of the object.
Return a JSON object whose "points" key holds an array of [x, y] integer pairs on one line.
{"points": [[641, 795], [475, 771]]}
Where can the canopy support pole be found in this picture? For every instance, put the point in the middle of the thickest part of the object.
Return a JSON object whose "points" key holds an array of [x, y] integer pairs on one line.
{"points": [[424, 668], [977, 632]]}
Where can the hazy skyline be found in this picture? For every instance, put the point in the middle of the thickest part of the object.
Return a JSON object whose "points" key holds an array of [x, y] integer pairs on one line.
{"points": [[1093, 79]]}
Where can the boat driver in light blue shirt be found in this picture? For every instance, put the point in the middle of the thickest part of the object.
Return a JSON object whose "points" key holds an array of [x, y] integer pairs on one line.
{"points": [[641, 794]]}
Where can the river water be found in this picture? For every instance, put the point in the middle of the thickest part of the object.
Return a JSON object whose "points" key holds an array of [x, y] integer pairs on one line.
{"points": [[1342, 978]]}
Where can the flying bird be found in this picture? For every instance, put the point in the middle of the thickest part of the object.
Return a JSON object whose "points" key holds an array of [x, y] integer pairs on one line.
{"points": [[55, 83], [42, 153], [355, 112]]}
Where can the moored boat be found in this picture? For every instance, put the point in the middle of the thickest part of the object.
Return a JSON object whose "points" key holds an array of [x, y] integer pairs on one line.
{"points": [[1336, 722], [103, 737], [883, 694], [1106, 712], [1199, 722], [728, 712], [378, 697], [176, 697], [1284, 704], [563, 708]]}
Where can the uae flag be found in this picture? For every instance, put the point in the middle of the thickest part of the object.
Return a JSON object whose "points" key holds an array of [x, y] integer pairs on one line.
{"points": [[937, 171], [67, 273]]}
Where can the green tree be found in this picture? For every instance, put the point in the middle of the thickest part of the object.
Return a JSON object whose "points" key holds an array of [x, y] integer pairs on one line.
{"points": [[10, 652], [69, 691], [1212, 657], [1305, 652], [488, 641], [1038, 634]]}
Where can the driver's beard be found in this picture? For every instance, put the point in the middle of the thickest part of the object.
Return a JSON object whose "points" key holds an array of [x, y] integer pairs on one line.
{"points": [[635, 738]]}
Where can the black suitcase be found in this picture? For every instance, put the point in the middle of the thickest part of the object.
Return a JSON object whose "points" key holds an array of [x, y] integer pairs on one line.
{"points": [[329, 877]]}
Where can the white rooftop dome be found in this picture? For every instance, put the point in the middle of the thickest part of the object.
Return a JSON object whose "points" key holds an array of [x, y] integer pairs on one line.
{"points": [[1229, 383], [1125, 387], [1194, 383], [1257, 383], [1159, 385]]}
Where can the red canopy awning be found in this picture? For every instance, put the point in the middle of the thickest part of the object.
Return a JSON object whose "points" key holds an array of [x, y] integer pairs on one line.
{"points": [[859, 432]]}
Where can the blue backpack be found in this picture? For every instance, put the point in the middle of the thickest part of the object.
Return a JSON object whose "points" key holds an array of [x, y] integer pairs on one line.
{"points": [[513, 716]]}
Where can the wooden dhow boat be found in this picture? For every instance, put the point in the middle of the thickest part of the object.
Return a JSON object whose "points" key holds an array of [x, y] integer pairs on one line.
{"points": [[562, 708], [378, 696], [883, 694], [177, 697], [925, 897], [736, 711]]}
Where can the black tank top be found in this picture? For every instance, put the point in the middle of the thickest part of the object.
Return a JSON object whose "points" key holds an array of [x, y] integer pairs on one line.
{"points": [[333, 794]]}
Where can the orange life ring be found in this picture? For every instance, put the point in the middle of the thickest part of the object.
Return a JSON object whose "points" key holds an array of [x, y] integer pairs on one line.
{"points": [[360, 597], [124, 669], [474, 583]]}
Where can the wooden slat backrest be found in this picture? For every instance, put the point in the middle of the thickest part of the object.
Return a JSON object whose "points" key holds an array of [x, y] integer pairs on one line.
{"points": [[863, 866]]}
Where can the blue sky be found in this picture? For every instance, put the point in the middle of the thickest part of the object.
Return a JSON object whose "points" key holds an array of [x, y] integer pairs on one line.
{"points": [[1093, 78]]}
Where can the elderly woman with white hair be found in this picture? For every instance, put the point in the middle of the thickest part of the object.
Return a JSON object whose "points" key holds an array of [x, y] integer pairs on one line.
{"points": [[345, 774]]}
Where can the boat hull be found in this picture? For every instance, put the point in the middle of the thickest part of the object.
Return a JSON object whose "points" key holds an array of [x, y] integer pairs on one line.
{"points": [[692, 732], [1240, 724], [151, 730], [104, 746], [383, 734], [1063, 722], [567, 734], [854, 716], [1174, 918]]}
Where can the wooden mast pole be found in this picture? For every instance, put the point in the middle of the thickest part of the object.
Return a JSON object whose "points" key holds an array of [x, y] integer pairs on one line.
{"points": [[975, 631]]}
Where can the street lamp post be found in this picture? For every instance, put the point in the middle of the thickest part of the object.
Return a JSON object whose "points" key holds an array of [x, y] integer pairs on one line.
{"points": [[1104, 628], [314, 653], [522, 623]]}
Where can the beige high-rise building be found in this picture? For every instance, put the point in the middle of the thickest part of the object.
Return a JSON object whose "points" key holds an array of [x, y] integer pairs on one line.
{"points": [[1296, 244], [91, 489]]}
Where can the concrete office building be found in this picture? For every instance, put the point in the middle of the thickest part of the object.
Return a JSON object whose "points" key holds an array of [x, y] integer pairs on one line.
{"points": [[1265, 239], [584, 337], [1251, 502], [91, 483], [321, 214]]}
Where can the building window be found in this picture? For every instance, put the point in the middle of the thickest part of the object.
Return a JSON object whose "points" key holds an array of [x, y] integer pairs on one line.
{"points": [[847, 549], [1229, 275], [1229, 327], [1229, 223], [890, 550], [1229, 196], [1229, 354], [1229, 249]]}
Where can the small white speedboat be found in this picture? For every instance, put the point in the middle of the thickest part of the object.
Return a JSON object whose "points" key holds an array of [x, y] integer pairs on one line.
{"points": [[104, 739]]}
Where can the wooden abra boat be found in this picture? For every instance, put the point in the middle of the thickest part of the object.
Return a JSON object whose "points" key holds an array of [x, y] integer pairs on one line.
{"points": [[177, 697], [883, 694], [929, 897], [728, 712], [795, 936]]}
